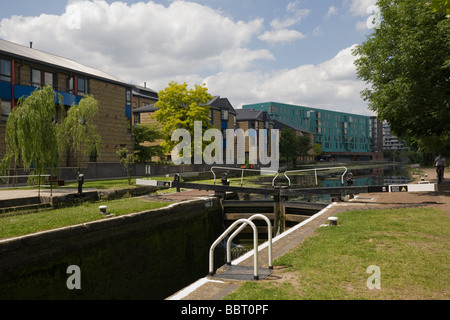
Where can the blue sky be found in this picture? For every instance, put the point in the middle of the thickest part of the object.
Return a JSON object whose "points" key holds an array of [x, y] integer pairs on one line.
{"points": [[289, 51]]}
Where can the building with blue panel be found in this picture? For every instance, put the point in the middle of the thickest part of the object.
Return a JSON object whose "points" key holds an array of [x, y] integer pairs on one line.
{"points": [[342, 136], [24, 69]]}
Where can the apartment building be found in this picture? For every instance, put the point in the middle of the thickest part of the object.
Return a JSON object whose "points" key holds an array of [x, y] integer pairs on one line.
{"points": [[254, 119], [342, 136], [376, 134], [298, 132], [390, 141], [23, 69], [144, 100]]}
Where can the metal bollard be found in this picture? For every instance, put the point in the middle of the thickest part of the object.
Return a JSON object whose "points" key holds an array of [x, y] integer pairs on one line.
{"points": [[224, 179], [103, 210], [333, 221]]}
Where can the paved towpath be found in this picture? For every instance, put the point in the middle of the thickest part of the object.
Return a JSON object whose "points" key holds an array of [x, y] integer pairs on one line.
{"points": [[30, 193]]}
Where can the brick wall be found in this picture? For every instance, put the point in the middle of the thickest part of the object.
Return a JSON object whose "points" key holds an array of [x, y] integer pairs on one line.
{"points": [[112, 124]]}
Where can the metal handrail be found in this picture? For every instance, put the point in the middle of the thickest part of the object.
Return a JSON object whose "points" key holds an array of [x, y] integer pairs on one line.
{"points": [[242, 173], [230, 228], [315, 173], [269, 238]]}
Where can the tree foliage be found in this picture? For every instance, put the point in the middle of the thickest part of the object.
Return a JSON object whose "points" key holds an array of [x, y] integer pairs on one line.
{"points": [[78, 131], [293, 146], [179, 107], [31, 137], [143, 135], [127, 160], [440, 5], [406, 63]]}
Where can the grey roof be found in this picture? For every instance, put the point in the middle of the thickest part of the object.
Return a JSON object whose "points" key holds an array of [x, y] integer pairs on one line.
{"points": [[281, 125], [24, 52], [145, 92], [221, 104], [252, 114], [147, 108]]}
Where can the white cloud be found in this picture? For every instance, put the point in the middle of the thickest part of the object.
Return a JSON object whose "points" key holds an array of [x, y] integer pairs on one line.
{"points": [[141, 41], [281, 35], [192, 43], [331, 85], [359, 7], [280, 27], [317, 32], [331, 11]]}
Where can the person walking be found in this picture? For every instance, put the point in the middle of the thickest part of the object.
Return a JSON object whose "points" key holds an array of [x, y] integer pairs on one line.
{"points": [[440, 164]]}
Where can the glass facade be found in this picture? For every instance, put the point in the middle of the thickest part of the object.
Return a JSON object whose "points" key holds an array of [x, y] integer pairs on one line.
{"points": [[335, 131]]}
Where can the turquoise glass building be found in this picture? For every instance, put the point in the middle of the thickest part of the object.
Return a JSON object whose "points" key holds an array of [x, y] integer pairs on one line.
{"points": [[343, 136]]}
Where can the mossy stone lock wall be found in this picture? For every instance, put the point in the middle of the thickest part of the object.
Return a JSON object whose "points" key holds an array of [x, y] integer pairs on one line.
{"points": [[147, 255]]}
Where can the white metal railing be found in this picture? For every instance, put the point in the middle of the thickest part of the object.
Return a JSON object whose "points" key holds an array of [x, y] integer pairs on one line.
{"points": [[244, 170], [269, 238], [315, 172], [255, 244]]}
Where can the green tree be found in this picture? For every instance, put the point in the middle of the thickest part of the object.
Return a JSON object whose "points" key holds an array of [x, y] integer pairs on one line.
{"points": [[317, 147], [406, 63], [287, 144], [143, 134], [293, 146], [304, 145], [127, 160], [178, 108], [440, 5], [31, 138], [78, 131]]}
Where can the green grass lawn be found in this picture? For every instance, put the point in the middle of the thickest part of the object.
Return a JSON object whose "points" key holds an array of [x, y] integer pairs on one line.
{"points": [[410, 247], [22, 224]]}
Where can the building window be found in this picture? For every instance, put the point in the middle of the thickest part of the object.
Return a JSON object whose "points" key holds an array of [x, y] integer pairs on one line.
{"points": [[70, 84], [82, 86], [5, 70], [6, 109], [48, 78], [225, 115], [36, 80], [128, 97], [137, 118]]}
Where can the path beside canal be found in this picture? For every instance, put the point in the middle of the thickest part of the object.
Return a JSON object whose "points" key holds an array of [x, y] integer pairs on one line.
{"points": [[216, 288]]}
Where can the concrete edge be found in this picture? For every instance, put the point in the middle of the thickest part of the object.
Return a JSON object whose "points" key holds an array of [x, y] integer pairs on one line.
{"points": [[197, 284]]}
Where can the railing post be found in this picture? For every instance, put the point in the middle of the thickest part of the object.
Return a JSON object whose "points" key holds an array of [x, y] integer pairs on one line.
{"points": [[269, 238], [255, 243], [276, 213], [315, 173]]}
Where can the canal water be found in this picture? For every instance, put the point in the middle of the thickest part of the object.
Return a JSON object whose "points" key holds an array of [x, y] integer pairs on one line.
{"points": [[363, 175]]}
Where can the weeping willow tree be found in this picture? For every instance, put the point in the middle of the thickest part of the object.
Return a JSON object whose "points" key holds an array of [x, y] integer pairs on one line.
{"points": [[78, 132], [31, 137]]}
